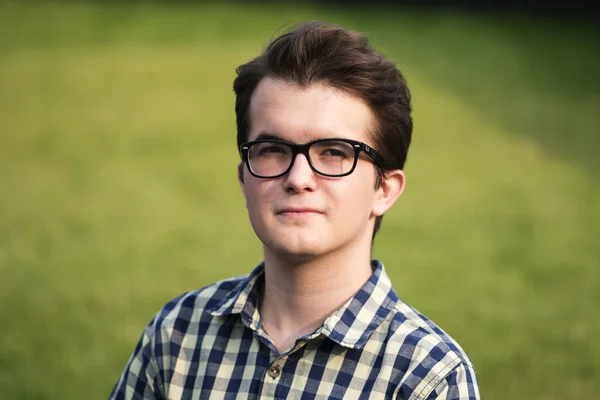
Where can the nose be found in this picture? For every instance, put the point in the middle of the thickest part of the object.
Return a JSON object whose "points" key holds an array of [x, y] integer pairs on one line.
{"points": [[301, 177]]}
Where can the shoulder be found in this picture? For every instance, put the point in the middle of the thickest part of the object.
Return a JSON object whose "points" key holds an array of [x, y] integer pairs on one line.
{"points": [[410, 325], [429, 356]]}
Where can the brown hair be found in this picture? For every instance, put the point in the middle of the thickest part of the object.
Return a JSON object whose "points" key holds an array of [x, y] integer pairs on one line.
{"points": [[319, 52]]}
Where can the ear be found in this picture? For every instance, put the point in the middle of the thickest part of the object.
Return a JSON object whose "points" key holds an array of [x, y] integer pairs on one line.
{"points": [[391, 188], [240, 176], [240, 172]]}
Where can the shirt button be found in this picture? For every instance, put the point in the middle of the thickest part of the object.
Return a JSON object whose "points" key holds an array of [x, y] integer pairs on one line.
{"points": [[274, 371]]}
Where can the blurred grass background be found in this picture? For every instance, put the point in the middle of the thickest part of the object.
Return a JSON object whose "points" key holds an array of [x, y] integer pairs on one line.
{"points": [[118, 188]]}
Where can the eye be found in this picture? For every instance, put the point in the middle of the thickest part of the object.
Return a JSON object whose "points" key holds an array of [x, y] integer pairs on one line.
{"points": [[331, 152], [272, 149], [269, 149]]}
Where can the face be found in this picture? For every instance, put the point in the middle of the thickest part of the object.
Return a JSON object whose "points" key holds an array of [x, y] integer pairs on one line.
{"points": [[303, 214]]}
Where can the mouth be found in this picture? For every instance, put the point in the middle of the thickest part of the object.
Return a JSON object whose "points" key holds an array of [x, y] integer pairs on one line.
{"points": [[294, 212]]}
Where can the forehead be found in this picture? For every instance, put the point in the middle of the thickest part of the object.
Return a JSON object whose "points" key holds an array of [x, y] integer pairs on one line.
{"points": [[301, 114]]}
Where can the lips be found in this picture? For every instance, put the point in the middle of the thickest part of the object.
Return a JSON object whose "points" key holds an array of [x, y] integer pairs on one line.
{"points": [[299, 211]]}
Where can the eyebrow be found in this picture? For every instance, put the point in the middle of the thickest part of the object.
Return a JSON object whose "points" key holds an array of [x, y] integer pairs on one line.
{"points": [[270, 136], [265, 135]]}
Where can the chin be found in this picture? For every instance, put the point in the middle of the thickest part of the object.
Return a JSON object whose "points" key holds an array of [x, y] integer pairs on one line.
{"points": [[296, 248]]}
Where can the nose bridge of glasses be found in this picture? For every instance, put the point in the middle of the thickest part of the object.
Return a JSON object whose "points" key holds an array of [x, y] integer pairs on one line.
{"points": [[302, 149]]}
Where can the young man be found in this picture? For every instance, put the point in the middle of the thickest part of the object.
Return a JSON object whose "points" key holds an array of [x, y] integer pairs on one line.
{"points": [[324, 128]]}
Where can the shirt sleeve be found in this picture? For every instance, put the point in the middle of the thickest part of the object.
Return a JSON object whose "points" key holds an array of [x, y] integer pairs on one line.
{"points": [[459, 384], [140, 379]]}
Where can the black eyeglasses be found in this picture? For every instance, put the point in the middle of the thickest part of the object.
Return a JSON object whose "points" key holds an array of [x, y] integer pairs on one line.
{"points": [[328, 157]]}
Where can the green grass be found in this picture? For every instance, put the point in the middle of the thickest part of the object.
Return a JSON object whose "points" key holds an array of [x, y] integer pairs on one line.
{"points": [[118, 189]]}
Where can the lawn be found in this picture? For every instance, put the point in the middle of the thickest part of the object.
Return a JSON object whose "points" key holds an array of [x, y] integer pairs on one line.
{"points": [[118, 189]]}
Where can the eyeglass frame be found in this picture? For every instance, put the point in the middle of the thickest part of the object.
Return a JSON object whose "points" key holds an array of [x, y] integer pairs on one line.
{"points": [[296, 149]]}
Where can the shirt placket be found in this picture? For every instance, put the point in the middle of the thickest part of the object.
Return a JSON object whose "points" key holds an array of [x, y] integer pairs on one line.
{"points": [[271, 378], [274, 373]]}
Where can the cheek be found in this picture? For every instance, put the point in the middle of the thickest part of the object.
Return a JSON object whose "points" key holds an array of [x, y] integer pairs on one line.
{"points": [[257, 195], [355, 199]]}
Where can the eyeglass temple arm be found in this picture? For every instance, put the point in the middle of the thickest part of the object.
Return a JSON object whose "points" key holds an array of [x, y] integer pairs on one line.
{"points": [[375, 156]]}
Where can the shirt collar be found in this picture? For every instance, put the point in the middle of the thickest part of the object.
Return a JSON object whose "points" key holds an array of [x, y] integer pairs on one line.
{"points": [[243, 299], [349, 326]]}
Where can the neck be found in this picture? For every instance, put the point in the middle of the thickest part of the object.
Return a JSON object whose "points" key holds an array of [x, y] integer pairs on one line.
{"points": [[300, 294]]}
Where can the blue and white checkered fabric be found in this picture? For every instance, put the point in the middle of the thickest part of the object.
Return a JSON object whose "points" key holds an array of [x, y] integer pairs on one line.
{"points": [[209, 344]]}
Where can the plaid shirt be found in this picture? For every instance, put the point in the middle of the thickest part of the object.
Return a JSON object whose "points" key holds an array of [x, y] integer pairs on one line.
{"points": [[209, 344]]}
